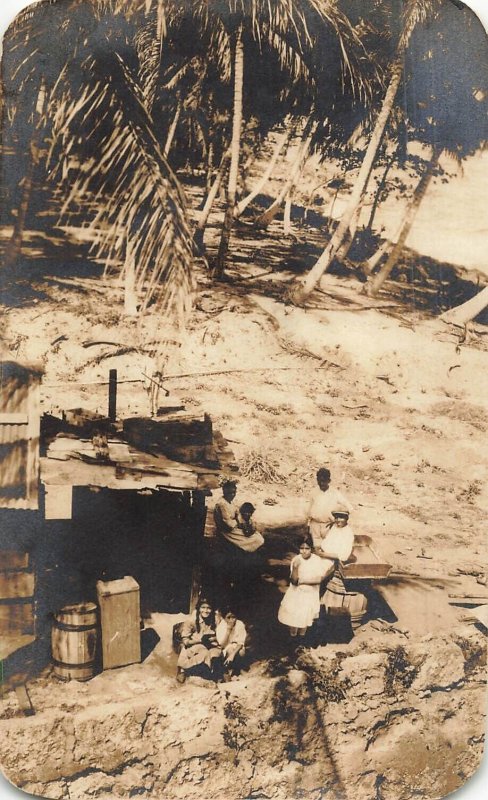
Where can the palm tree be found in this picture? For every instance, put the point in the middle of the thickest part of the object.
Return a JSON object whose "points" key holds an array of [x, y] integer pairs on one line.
{"points": [[375, 283], [280, 143], [467, 311], [104, 147], [234, 153], [443, 90], [416, 11], [289, 33]]}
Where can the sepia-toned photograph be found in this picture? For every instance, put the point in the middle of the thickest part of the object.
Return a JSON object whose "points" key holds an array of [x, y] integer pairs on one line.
{"points": [[243, 399]]}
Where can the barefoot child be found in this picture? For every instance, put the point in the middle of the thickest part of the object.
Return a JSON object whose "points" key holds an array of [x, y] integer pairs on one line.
{"points": [[301, 604]]}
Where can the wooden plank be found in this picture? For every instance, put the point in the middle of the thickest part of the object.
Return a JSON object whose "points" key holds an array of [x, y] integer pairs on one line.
{"points": [[13, 419], [16, 618], [120, 620], [168, 434], [196, 582], [480, 614], [368, 563], [24, 700], [16, 584], [13, 559], [58, 502]]}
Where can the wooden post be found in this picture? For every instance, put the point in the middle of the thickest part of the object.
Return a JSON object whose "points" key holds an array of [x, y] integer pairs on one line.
{"points": [[112, 395]]}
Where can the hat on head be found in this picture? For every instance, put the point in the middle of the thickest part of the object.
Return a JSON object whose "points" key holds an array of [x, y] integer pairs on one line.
{"points": [[340, 514]]}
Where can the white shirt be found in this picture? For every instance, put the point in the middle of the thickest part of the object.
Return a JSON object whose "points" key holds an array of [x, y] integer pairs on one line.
{"points": [[338, 543], [322, 504], [236, 636]]}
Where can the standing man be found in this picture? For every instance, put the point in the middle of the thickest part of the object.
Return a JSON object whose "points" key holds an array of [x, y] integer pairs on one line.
{"points": [[324, 501]]}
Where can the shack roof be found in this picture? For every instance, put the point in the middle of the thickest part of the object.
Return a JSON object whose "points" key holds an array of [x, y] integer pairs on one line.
{"points": [[178, 451]]}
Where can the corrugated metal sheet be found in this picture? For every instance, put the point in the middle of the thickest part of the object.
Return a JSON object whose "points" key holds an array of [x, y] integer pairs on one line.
{"points": [[19, 436]]}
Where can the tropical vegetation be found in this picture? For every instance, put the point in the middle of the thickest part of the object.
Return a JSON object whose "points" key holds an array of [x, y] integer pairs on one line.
{"points": [[108, 117]]}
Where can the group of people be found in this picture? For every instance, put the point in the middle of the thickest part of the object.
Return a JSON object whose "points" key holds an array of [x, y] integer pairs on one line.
{"points": [[213, 643]]}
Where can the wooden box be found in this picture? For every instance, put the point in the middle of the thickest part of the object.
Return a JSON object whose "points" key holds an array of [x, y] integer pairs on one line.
{"points": [[120, 622], [368, 563]]}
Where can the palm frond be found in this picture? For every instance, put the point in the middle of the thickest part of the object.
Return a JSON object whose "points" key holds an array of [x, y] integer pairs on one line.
{"points": [[139, 199], [415, 13]]}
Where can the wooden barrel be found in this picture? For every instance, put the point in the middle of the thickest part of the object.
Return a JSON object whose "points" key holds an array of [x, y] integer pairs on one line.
{"points": [[74, 641], [338, 600], [355, 603]]}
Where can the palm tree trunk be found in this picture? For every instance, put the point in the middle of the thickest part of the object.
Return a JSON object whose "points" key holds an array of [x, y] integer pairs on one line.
{"points": [[377, 282], [14, 247], [207, 208], [210, 169], [130, 294], [302, 288], [268, 216], [464, 313], [172, 129], [241, 207], [379, 192], [349, 238], [370, 265], [287, 228], [235, 153]]}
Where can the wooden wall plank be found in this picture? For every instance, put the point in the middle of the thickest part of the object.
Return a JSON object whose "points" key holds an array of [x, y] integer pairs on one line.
{"points": [[16, 584], [16, 618], [13, 559]]}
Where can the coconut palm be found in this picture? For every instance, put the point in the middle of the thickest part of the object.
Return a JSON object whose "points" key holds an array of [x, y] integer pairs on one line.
{"points": [[415, 13], [290, 32], [444, 89], [104, 148]]}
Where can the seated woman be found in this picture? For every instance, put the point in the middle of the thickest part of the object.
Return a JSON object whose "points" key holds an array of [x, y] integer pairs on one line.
{"points": [[199, 650], [238, 557], [231, 636], [234, 524]]}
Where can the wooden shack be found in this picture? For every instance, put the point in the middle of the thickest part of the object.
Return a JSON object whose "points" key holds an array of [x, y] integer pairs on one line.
{"points": [[128, 497], [19, 435], [89, 498], [19, 503]]}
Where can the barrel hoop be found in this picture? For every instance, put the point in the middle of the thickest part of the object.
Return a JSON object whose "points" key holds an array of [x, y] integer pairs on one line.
{"points": [[65, 665], [65, 626]]}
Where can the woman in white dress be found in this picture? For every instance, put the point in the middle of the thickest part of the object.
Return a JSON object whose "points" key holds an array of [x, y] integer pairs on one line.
{"points": [[300, 606]]}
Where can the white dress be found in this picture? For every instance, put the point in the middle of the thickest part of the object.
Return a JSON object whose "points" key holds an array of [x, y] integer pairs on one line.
{"points": [[301, 604]]}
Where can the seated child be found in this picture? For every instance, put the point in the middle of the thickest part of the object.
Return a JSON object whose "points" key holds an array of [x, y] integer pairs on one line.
{"points": [[231, 636], [248, 527]]}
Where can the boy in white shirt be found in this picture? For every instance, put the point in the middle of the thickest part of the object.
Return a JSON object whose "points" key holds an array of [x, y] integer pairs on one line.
{"points": [[324, 501], [338, 543]]}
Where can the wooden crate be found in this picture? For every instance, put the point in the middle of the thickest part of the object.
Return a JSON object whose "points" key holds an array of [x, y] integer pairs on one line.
{"points": [[17, 587], [368, 563], [120, 620]]}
